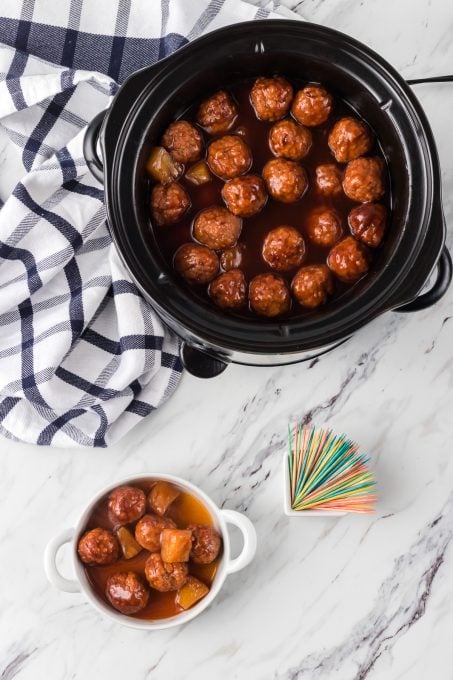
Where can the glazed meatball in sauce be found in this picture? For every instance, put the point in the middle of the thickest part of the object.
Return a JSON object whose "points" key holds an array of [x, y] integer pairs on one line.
{"points": [[169, 203], [329, 178], [271, 98], [286, 181], [126, 592], [217, 113], [288, 170], [206, 543], [323, 226], [367, 223], [197, 264], [98, 546], [229, 157], [349, 139], [269, 295], [217, 228], [149, 529], [229, 290], [183, 141], [284, 248], [289, 140], [349, 260], [231, 258], [312, 105], [245, 196], [363, 180], [127, 504], [165, 576], [312, 285]]}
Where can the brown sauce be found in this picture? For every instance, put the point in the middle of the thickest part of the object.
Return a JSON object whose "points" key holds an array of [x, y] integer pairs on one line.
{"points": [[185, 510], [274, 214]]}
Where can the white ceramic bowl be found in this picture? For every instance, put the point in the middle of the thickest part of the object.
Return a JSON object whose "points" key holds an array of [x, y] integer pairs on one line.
{"points": [[226, 566]]}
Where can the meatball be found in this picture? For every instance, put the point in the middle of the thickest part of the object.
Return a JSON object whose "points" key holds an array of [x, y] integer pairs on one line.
{"points": [[169, 202], [349, 139], [284, 248], [323, 227], [206, 543], [197, 264], [217, 228], [165, 576], [245, 196], [349, 260], [367, 223], [229, 157], [312, 285], [149, 529], [231, 258], [269, 295], [289, 140], [312, 105], [183, 141], [363, 181], [286, 181], [229, 290], [328, 179], [126, 592], [218, 113], [98, 546], [271, 98], [126, 504]]}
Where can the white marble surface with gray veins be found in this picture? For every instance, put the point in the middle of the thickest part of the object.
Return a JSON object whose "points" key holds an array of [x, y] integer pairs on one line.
{"points": [[350, 598]]}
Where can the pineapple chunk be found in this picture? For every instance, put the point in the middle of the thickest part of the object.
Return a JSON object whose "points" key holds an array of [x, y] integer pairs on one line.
{"points": [[191, 592], [129, 546], [161, 497], [162, 167], [199, 173], [175, 545]]}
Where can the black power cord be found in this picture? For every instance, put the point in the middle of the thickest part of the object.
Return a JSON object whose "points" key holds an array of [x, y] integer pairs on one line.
{"points": [[434, 79]]}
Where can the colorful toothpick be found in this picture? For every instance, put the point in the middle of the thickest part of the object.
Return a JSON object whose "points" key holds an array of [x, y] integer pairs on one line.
{"points": [[327, 472]]}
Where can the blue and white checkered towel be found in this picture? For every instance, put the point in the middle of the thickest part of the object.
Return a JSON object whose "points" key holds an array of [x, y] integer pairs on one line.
{"points": [[82, 356]]}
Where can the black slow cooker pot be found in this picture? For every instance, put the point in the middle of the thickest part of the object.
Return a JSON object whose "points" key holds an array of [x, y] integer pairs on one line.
{"points": [[152, 97]]}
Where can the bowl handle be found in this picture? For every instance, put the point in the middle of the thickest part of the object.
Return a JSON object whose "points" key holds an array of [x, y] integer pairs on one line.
{"points": [[249, 537], [90, 150], [50, 563], [440, 287]]}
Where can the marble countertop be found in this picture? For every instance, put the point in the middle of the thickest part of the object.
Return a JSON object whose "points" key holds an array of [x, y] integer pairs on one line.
{"points": [[331, 599]]}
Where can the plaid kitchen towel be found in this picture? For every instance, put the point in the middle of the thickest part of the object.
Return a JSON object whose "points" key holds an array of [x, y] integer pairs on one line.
{"points": [[82, 356]]}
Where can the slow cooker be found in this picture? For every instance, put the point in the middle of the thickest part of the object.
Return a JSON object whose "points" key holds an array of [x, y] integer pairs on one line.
{"points": [[153, 96]]}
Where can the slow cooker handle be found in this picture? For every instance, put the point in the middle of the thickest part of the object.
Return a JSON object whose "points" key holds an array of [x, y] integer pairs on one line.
{"points": [[90, 150], [199, 364], [443, 280], [444, 265]]}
